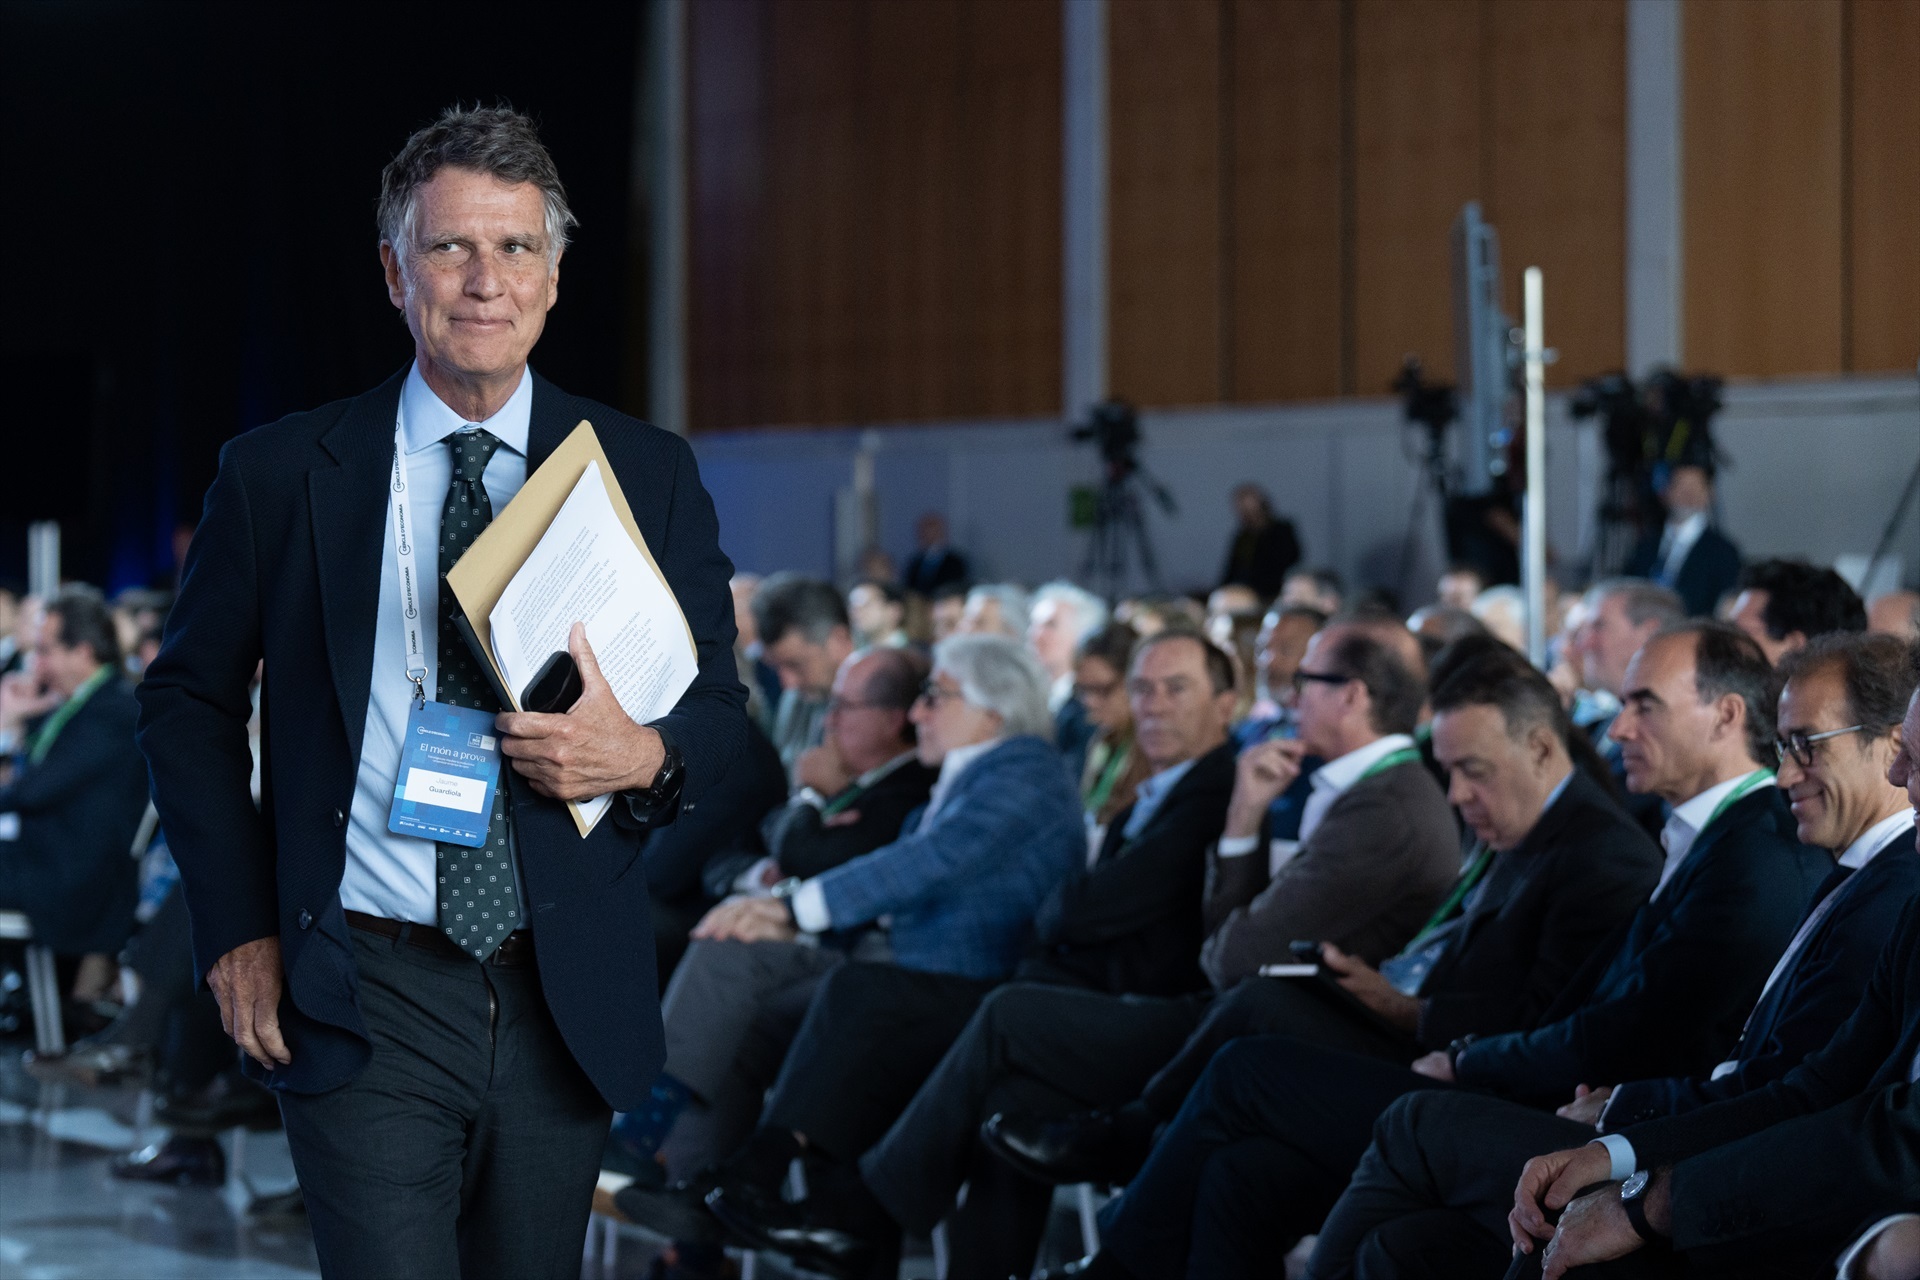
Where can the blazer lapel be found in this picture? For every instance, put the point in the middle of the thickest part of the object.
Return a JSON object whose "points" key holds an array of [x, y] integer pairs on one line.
{"points": [[547, 422], [348, 502]]}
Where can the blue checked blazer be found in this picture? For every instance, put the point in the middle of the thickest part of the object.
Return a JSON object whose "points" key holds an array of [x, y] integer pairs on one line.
{"points": [[962, 889]]}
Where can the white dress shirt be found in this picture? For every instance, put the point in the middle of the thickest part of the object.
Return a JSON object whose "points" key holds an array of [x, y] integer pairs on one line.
{"points": [[389, 875], [1329, 782], [1686, 821], [810, 901], [1676, 544], [1059, 692]]}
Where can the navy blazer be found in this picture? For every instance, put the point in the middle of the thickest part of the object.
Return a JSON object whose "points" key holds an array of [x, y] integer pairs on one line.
{"points": [[1817, 993], [1711, 569], [1671, 997], [79, 810], [1778, 1180], [286, 567]]}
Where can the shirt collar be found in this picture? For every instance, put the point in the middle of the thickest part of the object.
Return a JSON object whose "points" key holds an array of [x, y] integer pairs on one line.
{"points": [[426, 419], [1061, 691], [1689, 529], [1338, 774], [1152, 791], [1876, 839], [956, 760], [1695, 812], [880, 771]]}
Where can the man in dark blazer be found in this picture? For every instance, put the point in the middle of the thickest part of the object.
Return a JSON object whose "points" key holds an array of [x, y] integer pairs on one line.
{"points": [[446, 1075], [1264, 1145], [1687, 554], [79, 787], [1438, 1181]]}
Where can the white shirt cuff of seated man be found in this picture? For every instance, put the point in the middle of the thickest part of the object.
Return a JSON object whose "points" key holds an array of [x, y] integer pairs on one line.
{"points": [[1236, 846], [809, 903], [1845, 1269], [1620, 1152]]}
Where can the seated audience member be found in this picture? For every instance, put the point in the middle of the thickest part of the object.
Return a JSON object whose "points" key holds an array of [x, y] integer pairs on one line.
{"points": [[1063, 615], [944, 611], [1555, 869], [1688, 555], [1277, 650], [726, 825], [1128, 924], [1264, 545], [879, 614], [1459, 587], [996, 609], [934, 563], [1234, 616], [804, 637], [1377, 853], [762, 681], [957, 891], [1895, 613], [1502, 610], [1785, 603], [1775, 1182], [1264, 1144], [1115, 767], [77, 790], [1438, 1181], [1315, 588], [1622, 614], [1149, 615], [1439, 625]]}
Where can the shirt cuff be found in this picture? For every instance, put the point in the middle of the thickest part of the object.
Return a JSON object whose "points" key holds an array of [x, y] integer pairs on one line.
{"points": [[1236, 846], [809, 903], [1845, 1269], [1620, 1152]]}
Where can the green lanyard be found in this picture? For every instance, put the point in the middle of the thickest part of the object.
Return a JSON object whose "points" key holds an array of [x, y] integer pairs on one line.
{"points": [[1405, 755], [1481, 859], [1749, 784], [845, 800], [50, 729], [1110, 772]]}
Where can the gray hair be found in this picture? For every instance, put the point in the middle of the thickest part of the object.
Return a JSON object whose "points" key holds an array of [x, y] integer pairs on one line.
{"points": [[1643, 601], [1015, 605], [997, 674], [493, 140], [1089, 610]]}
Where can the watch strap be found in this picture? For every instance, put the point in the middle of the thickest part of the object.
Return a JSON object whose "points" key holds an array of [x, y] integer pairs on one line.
{"points": [[1636, 1210]]}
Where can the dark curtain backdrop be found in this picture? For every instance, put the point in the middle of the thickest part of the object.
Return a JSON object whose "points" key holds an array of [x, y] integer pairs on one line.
{"points": [[189, 191]]}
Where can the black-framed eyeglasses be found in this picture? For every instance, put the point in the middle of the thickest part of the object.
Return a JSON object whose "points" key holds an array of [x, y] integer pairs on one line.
{"points": [[1302, 678], [933, 695], [1799, 745]]}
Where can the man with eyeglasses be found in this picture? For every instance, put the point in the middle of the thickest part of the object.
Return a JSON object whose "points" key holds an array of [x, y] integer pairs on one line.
{"points": [[1426, 1189]]}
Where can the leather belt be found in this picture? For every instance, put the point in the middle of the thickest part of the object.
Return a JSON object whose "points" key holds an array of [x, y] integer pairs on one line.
{"points": [[515, 951]]}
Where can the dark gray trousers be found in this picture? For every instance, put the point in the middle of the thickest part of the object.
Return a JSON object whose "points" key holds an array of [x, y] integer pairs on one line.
{"points": [[470, 1144]]}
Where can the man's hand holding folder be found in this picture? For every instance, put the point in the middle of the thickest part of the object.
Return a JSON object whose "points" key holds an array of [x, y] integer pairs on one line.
{"points": [[593, 749]]}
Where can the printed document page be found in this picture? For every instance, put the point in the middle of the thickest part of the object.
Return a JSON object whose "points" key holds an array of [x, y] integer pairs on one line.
{"points": [[586, 569]]}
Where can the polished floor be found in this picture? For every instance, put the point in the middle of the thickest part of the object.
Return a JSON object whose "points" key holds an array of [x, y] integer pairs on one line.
{"points": [[63, 1218]]}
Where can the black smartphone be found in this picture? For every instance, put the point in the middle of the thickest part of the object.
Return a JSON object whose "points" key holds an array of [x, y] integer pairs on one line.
{"points": [[1305, 952], [555, 687]]}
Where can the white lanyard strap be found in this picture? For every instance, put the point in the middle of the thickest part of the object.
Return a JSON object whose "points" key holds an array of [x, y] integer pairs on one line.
{"points": [[403, 554]]}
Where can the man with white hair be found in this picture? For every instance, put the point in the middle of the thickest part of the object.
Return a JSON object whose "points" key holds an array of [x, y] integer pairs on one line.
{"points": [[996, 609], [1063, 615]]}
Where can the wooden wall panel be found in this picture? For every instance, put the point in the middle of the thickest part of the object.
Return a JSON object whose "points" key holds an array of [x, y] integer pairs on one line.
{"points": [[1884, 273], [1164, 201], [1762, 235], [1285, 308], [1417, 159], [1555, 181], [875, 200]]}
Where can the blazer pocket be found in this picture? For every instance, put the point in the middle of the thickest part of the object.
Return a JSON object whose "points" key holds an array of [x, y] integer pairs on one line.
{"points": [[629, 855]]}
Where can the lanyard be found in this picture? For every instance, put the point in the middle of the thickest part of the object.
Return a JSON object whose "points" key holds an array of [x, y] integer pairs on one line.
{"points": [[1749, 784], [54, 723], [403, 554], [1405, 755], [860, 786], [1103, 786], [1476, 868]]}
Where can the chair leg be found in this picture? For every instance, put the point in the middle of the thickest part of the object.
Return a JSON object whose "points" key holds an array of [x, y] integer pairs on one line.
{"points": [[43, 991], [1089, 1222]]}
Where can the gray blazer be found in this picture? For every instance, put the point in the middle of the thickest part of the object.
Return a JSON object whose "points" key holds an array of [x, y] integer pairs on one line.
{"points": [[1371, 874]]}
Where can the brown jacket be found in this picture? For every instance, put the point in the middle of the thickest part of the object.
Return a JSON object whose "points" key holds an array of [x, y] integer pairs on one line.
{"points": [[1372, 873]]}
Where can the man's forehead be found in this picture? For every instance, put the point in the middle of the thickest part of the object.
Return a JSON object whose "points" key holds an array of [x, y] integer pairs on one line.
{"points": [[1810, 698], [1167, 658]]}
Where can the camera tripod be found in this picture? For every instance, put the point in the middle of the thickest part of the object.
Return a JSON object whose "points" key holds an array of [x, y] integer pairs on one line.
{"points": [[1119, 522]]}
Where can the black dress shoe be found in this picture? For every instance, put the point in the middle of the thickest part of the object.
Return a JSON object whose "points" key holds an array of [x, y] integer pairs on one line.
{"points": [[228, 1103], [678, 1212], [1094, 1146], [764, 1221], [179, 1161]]}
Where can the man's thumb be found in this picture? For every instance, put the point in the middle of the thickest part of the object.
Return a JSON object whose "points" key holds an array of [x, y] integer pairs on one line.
{"points": [[583, 655]]}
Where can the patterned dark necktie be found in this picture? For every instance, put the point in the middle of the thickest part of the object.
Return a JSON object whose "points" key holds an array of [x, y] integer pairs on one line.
{"points": [[478, 908]]}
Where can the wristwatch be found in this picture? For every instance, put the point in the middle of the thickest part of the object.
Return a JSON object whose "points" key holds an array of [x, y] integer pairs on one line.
{"points": [[783, 892], [1633, 1198], [650, 805]]}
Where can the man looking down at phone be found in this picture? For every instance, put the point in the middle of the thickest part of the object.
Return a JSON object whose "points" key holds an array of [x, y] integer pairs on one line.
{"points": [[1555, 867]]}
